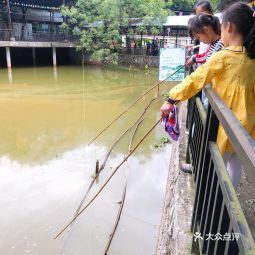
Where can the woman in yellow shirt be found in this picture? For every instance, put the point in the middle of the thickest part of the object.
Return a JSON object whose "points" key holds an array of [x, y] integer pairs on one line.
{"points": [[231, 72]]}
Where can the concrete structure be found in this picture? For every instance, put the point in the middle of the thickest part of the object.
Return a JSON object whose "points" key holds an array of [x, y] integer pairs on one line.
{"points": [[8, 57], [10, 45], [33, 24], [175, 235]]}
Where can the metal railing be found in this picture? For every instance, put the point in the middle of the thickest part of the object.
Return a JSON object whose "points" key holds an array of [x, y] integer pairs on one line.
{"points": [[41, 36], [5, 34], [218, 223]]}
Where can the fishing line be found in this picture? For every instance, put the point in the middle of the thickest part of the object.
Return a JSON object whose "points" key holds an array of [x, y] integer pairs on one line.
{"points": [[113, 121], [109, 178]]}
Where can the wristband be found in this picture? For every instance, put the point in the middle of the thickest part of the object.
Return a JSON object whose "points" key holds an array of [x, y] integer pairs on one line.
{"points": [[169, 100]]}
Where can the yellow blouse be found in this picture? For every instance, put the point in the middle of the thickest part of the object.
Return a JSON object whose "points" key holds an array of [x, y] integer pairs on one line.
{"points": [[232, 75]]}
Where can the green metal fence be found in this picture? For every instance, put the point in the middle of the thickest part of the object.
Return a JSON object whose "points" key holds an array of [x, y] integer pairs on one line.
{"points": [[218, 223]]}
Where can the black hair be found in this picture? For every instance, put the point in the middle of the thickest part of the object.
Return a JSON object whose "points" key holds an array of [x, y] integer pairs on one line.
{"points": [[197, 23], [242, 16], [206, 5]]}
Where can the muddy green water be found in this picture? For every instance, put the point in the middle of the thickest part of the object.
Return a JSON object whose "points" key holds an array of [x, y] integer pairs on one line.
{"points": [[47, 118]]}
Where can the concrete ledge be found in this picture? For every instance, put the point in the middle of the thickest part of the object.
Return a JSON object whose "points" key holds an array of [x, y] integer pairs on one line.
{"points": [[175, 236], [38, 44]]}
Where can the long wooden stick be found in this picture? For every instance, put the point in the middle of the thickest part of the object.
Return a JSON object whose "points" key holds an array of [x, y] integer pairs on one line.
{"points": [[132, 138], [110, 150], [109, 178], [117, 219], [102, 167], [133, 104], [107, 156]]}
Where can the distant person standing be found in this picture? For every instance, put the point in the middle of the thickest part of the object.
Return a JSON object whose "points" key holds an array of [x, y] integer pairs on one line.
{"points": [[165, 44], [168, 31], [153, 48], [133, 46], [148, 48]]}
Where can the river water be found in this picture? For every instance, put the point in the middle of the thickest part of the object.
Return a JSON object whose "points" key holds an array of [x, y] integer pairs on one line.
{"points": [[47, 117]]}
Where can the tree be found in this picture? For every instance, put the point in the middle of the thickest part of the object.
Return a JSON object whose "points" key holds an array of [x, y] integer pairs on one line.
{"points": [[182, 5], [101, 23], [216, 4]]}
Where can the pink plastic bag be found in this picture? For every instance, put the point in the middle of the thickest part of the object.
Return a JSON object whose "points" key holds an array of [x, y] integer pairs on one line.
{"points": [[171, 124]]}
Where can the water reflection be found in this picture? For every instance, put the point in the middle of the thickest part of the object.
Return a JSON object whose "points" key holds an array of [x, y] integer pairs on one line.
{"points": [[10, 75], [55, 73], [45, 166]]}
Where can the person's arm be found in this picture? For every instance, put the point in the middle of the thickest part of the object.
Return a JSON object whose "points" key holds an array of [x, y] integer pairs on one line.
{"points": [[194, 83]]}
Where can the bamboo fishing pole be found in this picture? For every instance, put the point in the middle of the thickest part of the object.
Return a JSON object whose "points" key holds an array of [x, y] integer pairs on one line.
{"points": [[132, 138], [103, 166], [108, 154], [108, 179], [110, 150], [117, 219], [129, 107]]}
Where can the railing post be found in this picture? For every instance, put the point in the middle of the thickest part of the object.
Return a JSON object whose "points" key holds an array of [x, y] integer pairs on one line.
{"points": [[54, 55], [189, 123], [8, 57]]}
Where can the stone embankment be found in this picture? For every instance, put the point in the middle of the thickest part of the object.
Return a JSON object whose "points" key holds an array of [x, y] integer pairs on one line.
{"points": [[175, 236]]}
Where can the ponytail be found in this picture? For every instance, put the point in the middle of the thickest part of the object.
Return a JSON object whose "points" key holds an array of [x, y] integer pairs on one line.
{"points": [[249, 43], [242, 16], [197, 23]]}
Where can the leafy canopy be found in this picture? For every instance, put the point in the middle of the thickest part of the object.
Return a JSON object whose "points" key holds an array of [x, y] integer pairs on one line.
{"points": [[100, 23]]}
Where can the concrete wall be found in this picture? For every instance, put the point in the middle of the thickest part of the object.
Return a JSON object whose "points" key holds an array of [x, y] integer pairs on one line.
{"points": [[175, 236], [124, 59], [138, 60]]}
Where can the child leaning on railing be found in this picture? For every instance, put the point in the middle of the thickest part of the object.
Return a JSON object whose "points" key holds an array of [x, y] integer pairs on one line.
{"points": [[231, 73]]}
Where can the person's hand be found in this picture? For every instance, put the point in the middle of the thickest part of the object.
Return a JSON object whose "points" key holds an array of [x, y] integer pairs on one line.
{"points": [[190, 62], [165, 109]]}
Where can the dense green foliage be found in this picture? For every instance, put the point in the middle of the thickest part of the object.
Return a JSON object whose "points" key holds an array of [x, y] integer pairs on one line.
{"points": [[216, 4], [100, 23], [182, 5]]}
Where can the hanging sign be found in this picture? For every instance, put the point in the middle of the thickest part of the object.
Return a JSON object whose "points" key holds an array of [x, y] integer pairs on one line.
{"points": [[170, 60]]}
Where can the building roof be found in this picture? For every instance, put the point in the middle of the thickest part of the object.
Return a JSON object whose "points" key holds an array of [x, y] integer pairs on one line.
{"points": [[36, 4], [181, 20], [178, 20], [44, 3]]}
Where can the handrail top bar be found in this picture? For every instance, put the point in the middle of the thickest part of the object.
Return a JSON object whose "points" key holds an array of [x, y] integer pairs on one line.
{"points": [[243, 144], [231, 201]]}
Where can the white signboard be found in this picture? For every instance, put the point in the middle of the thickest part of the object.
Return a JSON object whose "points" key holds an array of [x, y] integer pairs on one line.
{"points": [[170, 60]]}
